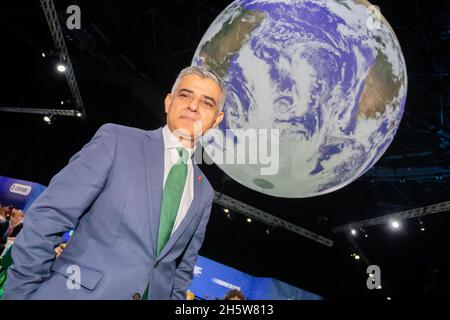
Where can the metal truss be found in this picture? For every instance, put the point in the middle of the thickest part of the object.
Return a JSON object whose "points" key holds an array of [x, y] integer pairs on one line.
{"points": [[430, 174], [55, 29], [264, 217], [403, 215], [70, 113]]}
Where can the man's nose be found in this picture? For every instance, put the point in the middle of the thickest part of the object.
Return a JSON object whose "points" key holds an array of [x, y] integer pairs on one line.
{"points": [[193, 106]]}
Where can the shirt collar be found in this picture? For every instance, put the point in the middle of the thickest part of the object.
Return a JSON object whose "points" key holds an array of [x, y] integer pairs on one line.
{"points": [[171, 141]]}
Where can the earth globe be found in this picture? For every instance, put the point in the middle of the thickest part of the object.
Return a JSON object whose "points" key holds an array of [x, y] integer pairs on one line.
{"points": [[326, 77]]}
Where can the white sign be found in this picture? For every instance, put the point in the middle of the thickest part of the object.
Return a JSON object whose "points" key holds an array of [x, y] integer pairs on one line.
{"points": [[20, 189]]}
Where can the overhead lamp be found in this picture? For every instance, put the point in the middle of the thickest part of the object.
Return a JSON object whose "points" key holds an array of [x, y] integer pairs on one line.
{"points": [[395, 224], [48, 119], [61, 68]]}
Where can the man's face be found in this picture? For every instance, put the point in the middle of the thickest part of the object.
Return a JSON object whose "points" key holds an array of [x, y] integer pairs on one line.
{"points": [[195, 100], [16, 217]]}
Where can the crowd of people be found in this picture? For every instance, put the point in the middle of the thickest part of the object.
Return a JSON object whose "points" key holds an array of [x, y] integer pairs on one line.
{"points": [[11, 220]]}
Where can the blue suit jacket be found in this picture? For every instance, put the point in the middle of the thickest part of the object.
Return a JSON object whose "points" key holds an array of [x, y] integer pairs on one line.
{"points": [[111, 192]]}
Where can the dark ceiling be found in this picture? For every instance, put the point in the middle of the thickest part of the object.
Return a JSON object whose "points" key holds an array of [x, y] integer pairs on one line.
{"points": [[126, 57]]}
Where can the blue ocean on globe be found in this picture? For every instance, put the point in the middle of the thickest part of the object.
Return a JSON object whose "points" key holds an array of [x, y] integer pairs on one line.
{"points": [[328, 74]]}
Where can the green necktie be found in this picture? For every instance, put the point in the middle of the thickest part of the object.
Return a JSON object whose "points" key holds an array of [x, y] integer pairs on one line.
{"points": [[172, 193], [173, 190]]}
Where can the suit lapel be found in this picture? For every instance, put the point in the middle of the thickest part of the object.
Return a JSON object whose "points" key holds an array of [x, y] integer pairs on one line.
{"points": [[154, 153]]}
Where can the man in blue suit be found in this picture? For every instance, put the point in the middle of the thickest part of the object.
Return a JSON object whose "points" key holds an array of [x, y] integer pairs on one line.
{"points": [[138, 201]]}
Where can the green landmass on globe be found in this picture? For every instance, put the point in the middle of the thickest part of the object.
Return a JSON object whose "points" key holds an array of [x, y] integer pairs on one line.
{"points": [[218, 52]]}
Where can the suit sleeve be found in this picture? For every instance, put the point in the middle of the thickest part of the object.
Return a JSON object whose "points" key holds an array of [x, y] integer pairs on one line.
{"points": [[184, 271], [58, 209]]}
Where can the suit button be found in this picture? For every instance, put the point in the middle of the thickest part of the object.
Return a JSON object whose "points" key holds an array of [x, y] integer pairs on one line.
{"points": [[156, 265], [136, 296]]}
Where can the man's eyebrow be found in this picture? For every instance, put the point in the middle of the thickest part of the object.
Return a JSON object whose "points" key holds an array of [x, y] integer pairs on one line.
{"points": [[186, 90], [209, 98]]}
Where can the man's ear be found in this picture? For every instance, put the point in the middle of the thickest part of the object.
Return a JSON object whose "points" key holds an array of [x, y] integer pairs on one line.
{"points": [[167, 102], [219, 119]]}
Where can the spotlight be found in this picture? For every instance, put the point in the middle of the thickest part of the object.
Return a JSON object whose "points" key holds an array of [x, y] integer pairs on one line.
{"points": [[79, 114], [226, 210], [43, 55], [421, 225], [48, 119], [249, 220], [395, 224], [389, 298], [357, 257], [62, 102], [61, 68], [353, 232]]}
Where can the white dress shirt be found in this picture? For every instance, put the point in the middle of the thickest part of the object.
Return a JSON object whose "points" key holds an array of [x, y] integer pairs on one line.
{"points": [[171, 156]]}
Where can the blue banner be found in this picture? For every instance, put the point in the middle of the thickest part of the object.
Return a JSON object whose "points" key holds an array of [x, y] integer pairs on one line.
{"points": [[212, 281], [19, 193]]}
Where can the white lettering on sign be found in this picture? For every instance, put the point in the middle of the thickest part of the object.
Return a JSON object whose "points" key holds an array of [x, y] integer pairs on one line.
{"points": [[20, 189]]}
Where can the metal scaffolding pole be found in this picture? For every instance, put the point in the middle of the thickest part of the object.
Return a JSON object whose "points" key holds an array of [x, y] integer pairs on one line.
{"points": [[48, 112], [383, 174], [55, 29], [264, 217], [403, 215]]}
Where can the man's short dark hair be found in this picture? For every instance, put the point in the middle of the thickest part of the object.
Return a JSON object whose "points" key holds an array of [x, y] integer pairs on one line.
{"points": [[234, 293]]}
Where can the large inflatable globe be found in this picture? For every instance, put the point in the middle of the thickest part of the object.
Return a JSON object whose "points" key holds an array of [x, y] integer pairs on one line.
{"points": [[329, 75]]}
